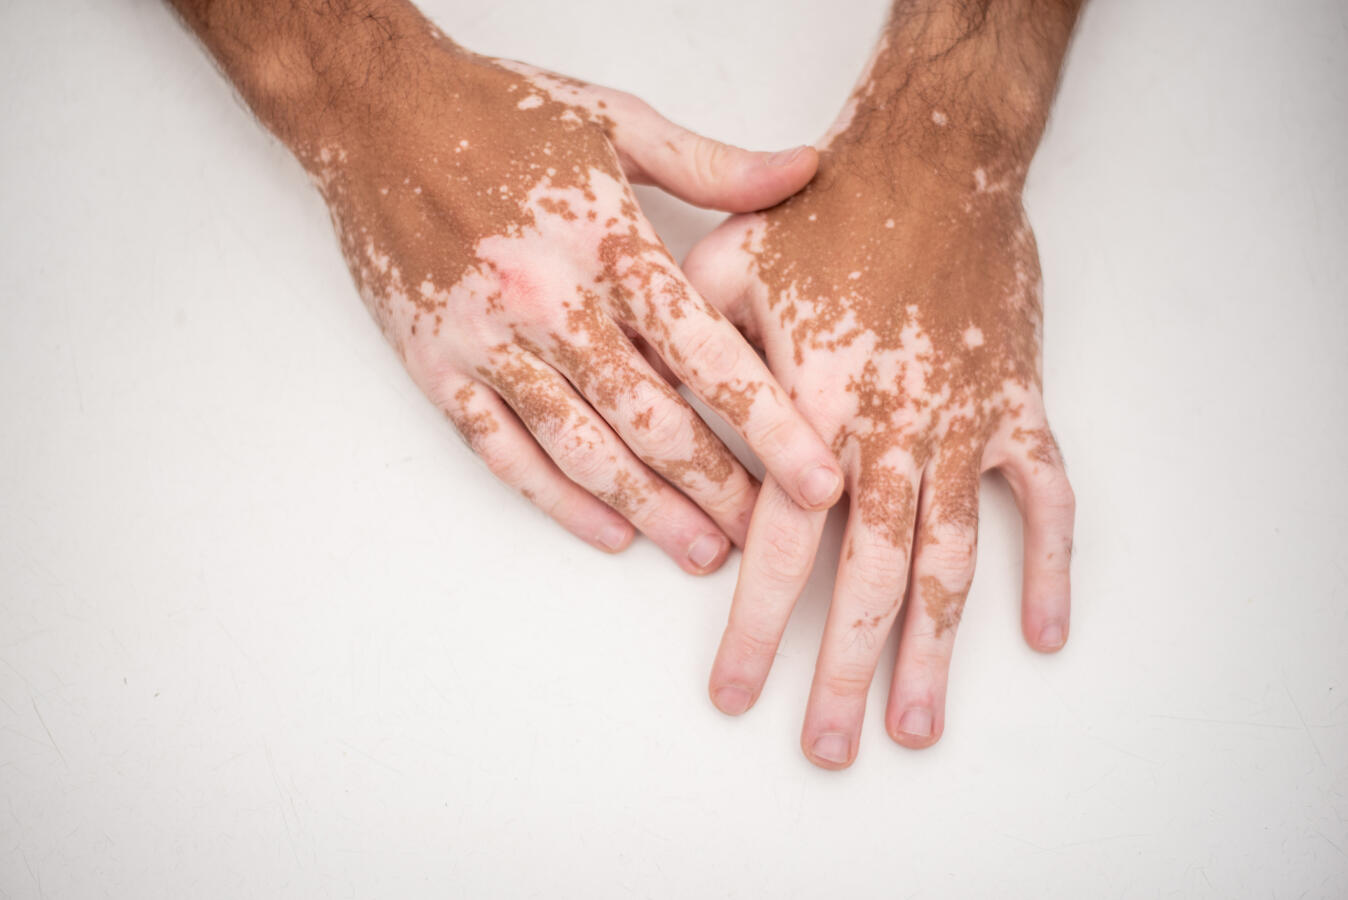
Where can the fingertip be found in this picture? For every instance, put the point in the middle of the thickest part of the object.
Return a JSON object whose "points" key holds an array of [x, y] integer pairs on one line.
{"points": [[819, 488], [614, 537], [731, 699], [706, 554], [916, 728], [832, 750], [801, 161], [776, 176], [1047, 637]]}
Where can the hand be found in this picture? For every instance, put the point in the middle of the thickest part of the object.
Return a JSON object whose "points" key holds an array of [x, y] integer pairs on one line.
{"points": [[485, 212], [898, 300]]}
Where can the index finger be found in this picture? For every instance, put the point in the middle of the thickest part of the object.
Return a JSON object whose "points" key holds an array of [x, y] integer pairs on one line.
{"points": [[778, 556], [706, 352]]}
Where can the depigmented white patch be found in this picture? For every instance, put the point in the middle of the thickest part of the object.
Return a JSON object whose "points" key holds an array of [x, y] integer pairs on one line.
{"points": [[973, 337], [533, 101], [939, 118], [980, 179], [889, 223]]}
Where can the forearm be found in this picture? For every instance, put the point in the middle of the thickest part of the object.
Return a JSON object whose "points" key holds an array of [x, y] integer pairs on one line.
{"points": [[953, 81], [307, 67]]}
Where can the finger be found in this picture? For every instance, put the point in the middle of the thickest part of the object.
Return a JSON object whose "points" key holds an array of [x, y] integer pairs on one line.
{"points": [[872, 576], [590, 454], [702, 171], [722, 272], [778, 556], [652, 419], [943, 568], [493, 432], [1048, 508], [706, 352], [648, 353]]}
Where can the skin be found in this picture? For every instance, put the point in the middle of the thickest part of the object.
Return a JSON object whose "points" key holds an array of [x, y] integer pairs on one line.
{"points": [[898, 300], [485, 211]]}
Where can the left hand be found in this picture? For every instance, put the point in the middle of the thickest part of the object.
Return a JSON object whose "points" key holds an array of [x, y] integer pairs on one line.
{"points": [[898, 303]]}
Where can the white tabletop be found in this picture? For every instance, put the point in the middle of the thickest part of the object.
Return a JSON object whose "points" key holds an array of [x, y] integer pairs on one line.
{"points": [[267, 629]]}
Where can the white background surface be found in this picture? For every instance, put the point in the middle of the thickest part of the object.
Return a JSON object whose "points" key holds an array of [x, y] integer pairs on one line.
{"points": [[267, 629]]}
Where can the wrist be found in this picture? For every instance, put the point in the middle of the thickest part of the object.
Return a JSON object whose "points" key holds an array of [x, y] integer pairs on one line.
{"points": [[960, 84], [313, 69]]}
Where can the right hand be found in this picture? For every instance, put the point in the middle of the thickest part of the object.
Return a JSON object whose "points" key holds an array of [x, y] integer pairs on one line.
{"points": [[485, 211]]}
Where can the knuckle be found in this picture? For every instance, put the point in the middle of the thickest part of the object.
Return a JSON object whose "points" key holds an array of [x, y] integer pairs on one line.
{"points": [[710, 353], [848, 681], [933, 660], [440, 387], [736, 501], [511, 468], [665, 431], [583, 460], [880, 575], [774, 436], [749, 644], [709, 159], [951, 549], [784, 554], [1058, 493]]}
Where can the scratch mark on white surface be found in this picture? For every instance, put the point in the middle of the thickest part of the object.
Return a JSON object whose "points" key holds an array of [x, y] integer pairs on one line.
{"points": [[372, 759], [49, 734], [22, 677], [32, 874], [1117, 749], [1025, 841], [1310, 737], [1204, 873], [1237, 722], [1331, 843], [281, 797]]}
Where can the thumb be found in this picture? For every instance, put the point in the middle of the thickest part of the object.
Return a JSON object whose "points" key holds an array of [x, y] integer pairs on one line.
{"points": [[705, 172], [718, 268]]}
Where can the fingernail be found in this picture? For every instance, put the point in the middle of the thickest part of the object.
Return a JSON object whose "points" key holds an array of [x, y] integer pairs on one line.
{"points": [[732, 700], [705, 550], [819, 485], [834, 748], [916, 722], [784, 157], [1051, 636], [613, 537]]}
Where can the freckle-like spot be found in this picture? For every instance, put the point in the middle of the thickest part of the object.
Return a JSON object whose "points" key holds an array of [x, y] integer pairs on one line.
{"points": [[733, 401], [473, 426], [1040, 445], [944, 606], [628, 493]]}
